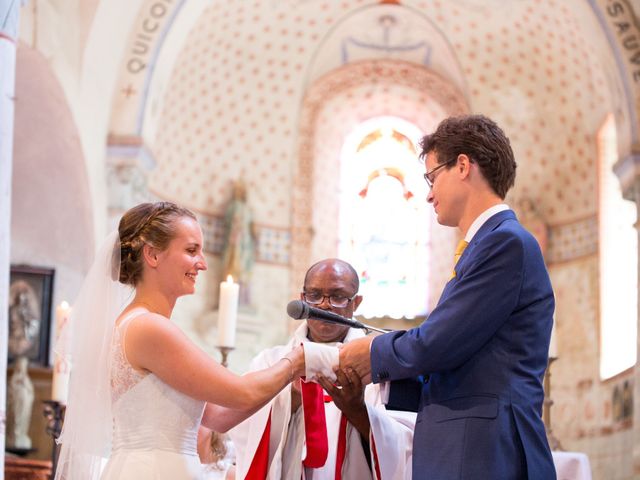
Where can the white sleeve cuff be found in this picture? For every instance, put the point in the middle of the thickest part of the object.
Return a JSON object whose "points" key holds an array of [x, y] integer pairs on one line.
{"points": [[385, 390], [320, 360]]}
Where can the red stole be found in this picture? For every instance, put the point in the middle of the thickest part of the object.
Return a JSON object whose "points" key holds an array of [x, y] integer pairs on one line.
{"points": [[260, 463], [342, 450], [315, 425], [342, 446], [375, 458]]}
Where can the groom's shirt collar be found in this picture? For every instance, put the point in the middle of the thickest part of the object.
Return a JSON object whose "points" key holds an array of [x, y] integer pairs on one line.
{"points": [[482, 218]]}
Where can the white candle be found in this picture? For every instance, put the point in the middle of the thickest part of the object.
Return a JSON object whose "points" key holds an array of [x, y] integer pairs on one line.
{"points": [[61, 363], [553, 343], [60, 382], [228, 313]]}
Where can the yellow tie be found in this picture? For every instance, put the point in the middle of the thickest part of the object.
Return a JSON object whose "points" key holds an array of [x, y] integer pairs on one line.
{"points": [[462, 244]]}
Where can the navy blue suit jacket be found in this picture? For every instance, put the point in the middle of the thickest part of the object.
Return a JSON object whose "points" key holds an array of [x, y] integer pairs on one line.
{"points": [[484, 349]]}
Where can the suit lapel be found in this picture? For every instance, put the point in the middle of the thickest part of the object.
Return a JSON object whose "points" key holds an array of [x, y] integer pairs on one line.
{"points": [[489, 226]]}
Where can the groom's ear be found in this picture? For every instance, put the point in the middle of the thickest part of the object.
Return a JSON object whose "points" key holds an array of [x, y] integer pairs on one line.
{"points": [[150, 255]]}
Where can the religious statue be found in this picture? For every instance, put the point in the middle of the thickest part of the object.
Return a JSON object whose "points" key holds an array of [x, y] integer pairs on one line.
{"points": [[531, 220], [19, 405], [24, 324], [239, 243], [616, 404], [627, 401]]}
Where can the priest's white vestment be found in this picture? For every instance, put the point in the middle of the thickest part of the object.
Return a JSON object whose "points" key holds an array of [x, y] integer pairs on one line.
{"points": [[390, 440]]}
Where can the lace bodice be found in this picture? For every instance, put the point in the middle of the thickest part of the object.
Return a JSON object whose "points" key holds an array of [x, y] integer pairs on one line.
{"points": [[148, 413], [123, 376]]}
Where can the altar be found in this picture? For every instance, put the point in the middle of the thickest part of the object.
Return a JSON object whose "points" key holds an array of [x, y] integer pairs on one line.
{"points": [[572, 465]]}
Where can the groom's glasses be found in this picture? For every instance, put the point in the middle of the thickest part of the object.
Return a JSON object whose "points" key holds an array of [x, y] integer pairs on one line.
{"points": [[429, 177], [316, 298]]}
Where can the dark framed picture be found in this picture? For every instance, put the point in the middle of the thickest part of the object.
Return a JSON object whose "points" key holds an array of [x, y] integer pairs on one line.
{"points": [[30, 296]]}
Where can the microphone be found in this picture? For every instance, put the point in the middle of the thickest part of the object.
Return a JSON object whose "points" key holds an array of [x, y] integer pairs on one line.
{"points": [[299, 310]]}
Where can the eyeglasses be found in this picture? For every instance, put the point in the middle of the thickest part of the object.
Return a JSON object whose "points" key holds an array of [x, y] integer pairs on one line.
{"points": [[429, 178], [316, 298]]}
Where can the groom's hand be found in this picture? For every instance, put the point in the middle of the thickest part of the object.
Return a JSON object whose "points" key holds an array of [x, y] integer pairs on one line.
{"points": [[349, 398], [355, 355]]}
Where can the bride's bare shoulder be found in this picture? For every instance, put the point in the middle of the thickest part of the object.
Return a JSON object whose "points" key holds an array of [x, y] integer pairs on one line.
{"points": [[150, 336], [148, 325]]}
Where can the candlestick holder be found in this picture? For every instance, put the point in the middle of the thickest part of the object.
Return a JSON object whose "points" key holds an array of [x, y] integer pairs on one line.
{"points": [[224, 351], [554, 443], [54, 413]]}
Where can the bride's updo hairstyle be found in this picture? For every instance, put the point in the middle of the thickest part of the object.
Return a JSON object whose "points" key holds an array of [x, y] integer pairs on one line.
{"points": [[147, 223]]}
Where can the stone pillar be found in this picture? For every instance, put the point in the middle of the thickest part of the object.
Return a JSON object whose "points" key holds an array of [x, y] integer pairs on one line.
{"points": [[628, 171], [128, 166], [9, 12]]}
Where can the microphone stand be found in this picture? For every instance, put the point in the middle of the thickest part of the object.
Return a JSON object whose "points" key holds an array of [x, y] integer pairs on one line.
{"points": [[363, 326], [369, 329]]}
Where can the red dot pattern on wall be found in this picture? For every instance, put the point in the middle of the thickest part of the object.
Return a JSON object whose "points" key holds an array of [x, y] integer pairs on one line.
{"points": [[233, 101], [534, 69]]}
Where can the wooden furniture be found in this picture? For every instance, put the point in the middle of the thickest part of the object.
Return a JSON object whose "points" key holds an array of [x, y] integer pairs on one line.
{"points": [[16, 468]]}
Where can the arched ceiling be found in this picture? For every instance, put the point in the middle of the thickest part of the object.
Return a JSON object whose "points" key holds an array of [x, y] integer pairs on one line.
{"points": [[232, 101]]}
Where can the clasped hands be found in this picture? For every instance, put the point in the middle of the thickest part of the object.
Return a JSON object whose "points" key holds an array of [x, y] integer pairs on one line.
{"points": [[352, 372]]}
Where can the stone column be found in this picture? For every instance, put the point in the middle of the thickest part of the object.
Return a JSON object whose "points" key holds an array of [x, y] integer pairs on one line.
{"points": [[628, 171], [128, 166], [9, 12]]}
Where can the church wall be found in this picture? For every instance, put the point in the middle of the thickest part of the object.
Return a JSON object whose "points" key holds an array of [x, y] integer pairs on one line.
{"points": [[51, 208], [51, 218], [83, 42], [587, 415]]}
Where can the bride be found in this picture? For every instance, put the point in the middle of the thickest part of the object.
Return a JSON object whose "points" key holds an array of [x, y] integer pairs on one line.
{"points": [[139, 387]]}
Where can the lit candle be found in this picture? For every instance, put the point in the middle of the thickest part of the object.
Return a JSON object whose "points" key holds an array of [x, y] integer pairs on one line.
{"points": [[61, 362], [553, 343], [228, 313]]}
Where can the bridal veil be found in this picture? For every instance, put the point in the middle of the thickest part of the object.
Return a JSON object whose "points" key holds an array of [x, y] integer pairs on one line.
{"points": [[87, 430]]}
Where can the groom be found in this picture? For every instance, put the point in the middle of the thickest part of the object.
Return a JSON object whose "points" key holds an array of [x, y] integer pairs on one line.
{"points": [[484, 347]]}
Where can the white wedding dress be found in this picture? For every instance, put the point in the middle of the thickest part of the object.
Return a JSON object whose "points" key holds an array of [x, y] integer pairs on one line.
{"points": [[155, 427]]}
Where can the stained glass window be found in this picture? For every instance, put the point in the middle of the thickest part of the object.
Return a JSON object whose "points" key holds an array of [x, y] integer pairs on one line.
{"points": [[384, 228]]}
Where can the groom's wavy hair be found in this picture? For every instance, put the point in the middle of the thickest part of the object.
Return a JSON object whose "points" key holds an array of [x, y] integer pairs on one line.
{"points": [[482, 140], [147, 223]]}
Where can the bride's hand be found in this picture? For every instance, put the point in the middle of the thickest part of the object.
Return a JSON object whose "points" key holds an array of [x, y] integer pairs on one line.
{"points": [[297, 361]]}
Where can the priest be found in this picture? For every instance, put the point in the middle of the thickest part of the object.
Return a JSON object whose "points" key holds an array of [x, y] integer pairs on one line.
{"points": [[317, 433]]}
